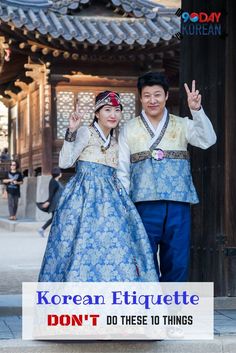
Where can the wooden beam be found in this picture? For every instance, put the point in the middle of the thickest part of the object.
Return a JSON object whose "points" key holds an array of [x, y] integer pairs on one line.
{"points": [[34, 48], [75, 56], [66, 54], [23, 45], [6, 101], [24, 87], [36, 71], [12, 95], [56, 53], [74, 44], [45, 51], [64, 44]]}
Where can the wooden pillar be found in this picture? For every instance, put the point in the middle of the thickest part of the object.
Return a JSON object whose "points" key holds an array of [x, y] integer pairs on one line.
{"points": [[40, 74], [46, 126], [30, 160], [230, 151], [203, 59], [25, 88]]}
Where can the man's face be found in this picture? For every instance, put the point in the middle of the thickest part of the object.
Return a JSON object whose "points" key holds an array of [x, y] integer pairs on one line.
{"points": [[153, 99]]}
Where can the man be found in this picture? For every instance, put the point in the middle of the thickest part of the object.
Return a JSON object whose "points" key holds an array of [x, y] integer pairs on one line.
{"points": [[155, 170], [13, 180]]}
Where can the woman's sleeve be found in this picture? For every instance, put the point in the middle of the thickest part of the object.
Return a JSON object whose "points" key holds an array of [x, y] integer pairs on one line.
{"points": [[72, 147], [20, 177], [123, 171]]}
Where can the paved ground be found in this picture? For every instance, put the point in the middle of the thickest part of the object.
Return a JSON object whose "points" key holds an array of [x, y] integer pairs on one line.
{"points": [[219, 345], [21, 253], [224, 324]]}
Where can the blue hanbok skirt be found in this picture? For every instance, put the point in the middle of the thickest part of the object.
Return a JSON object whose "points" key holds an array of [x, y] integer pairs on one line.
{"points": [[97, 234]]}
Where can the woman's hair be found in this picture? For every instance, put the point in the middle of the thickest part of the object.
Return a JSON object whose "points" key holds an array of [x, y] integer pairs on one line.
{"points": [[56, 172], [152, 79], [16, 162], [98, 98]]}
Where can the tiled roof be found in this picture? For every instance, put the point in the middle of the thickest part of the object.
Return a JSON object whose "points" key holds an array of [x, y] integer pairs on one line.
{"points": [[46, 18], [27, 3], [138, 8]]}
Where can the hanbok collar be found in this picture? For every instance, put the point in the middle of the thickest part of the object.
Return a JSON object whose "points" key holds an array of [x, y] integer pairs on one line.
{"points": [[106, 141], [156, 134]]}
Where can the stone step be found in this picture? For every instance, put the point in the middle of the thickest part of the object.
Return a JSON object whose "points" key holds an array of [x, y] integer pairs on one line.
{"points": [[20, 225], [220, 344], [10, 332], [10, 304]]}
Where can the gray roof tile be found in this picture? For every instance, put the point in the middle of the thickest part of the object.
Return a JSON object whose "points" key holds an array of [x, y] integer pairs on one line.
{"points": [[34, 18], [57, 23], [97, 29], [69, 25], [82, 31], [139, 8], [28, 3], [22, 16], [44, 21], [117, 31]]}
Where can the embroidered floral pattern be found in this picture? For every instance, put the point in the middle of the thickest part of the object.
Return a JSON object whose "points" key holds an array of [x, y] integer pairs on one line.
{"points": [[106, 144], [97, 234], [140, 156], [167, 179], [163, 130], [93, 152], [70, 136]]}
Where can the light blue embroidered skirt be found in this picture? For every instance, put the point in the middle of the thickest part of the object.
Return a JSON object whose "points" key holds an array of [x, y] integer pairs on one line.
{"points": [[96, 233]]}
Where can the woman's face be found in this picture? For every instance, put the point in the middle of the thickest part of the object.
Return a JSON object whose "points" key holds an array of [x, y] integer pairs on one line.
{"points": [[13, 166], [109, 116]]}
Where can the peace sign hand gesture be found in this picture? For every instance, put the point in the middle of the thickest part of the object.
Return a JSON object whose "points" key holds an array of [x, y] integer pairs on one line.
{"points": [[76, 117], [194, 98]]}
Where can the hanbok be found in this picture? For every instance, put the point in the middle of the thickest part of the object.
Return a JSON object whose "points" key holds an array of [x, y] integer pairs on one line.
{"points": [[96, 234]]}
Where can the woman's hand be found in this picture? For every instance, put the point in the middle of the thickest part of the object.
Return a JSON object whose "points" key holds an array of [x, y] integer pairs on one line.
{"points": [[75, 118], [7, 181]]}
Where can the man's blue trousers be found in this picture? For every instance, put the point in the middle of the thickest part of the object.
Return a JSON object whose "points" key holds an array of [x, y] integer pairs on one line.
{"points": [[167, 224]]}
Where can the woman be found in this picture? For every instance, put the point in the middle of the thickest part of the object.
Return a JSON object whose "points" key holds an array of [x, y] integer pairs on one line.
{"points": [[55, 190], [13, 180], [96, 234]]}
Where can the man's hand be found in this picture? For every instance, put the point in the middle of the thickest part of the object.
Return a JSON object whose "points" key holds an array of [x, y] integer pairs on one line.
{"points": [[194, 98]]}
